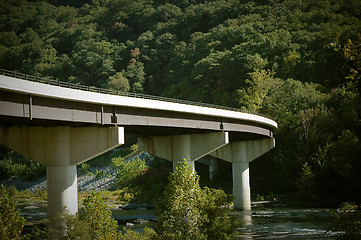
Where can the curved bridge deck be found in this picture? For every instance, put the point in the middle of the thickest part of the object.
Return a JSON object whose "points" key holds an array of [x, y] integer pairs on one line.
{"points": [[49, 103], [61, 125]]}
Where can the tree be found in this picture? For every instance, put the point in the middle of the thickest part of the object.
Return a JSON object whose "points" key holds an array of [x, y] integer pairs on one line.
{"points": [[99, 219], [261, 83], [135, 75], [187, 212], [179, 211], [118, 82]]}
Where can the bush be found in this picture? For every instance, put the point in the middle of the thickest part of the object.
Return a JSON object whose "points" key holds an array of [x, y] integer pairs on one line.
{"points": [[347, 222], [11, 223], [65, 226], [217, 208], [93, 222], [84, 168], [99, 173], [148, 234]]}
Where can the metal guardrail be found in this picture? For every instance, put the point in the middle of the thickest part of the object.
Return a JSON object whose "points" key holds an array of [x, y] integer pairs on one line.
{"points": [[27, 77]]}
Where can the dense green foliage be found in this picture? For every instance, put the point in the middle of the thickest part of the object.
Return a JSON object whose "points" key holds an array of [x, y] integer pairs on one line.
{"points": [[151, 184], [296, 61], [128, 171], [93, 222], [144, 182], [99, 219], [185, 212], [188, 212], [14, 165], [11, 223], [172, 47], [347, 222]]}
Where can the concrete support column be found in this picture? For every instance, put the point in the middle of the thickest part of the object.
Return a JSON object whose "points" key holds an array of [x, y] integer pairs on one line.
{"points": [[240, 154], [240, 175], [60, 149], [62, 189], [241, 186], [181, 148], [213, 167]]}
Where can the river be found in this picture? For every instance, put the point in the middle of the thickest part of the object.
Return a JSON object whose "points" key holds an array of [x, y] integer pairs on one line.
{"points": [[261, 223], [285, 223]]}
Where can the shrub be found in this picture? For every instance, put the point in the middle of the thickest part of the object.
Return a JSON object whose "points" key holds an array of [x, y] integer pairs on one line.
{"points": [[347, 222], [9, 167], [148, 234], [84, 168], [217, 207], [99, 173], [65, 226], [11, 223]]}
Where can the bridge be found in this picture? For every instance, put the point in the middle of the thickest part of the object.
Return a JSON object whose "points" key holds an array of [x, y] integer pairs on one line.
{"points": [[61, 125]]}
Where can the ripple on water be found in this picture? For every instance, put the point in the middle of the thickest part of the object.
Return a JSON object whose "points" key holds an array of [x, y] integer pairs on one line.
{"points": [[285, 223]]}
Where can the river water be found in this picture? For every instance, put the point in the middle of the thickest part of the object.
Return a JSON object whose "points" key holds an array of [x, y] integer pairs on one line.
{"points": [[285, 223], [260, 223]]}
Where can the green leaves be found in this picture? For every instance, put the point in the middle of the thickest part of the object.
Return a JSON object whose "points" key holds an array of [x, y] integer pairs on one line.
{"points": [[11, 223], [99, 219], [188, 212], [127, 171], [261, 83]]}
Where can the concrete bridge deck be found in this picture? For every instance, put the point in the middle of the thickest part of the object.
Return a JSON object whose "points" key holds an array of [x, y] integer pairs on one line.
{"points": [[61, 125]]}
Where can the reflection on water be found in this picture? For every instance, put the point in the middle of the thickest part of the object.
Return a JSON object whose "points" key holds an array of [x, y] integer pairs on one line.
{"points": [[285, 223], [262, 223], [259, 223]]}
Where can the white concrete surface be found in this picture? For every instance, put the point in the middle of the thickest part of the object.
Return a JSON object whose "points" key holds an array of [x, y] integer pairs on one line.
{"points": [[213, 167], [60, 149], [240, 154], [40, 89], [59, 146], [178, 147], [62, 190]]}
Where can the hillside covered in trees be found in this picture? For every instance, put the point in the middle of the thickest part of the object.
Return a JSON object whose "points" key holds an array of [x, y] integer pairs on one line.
{"points": [[298, 62]]}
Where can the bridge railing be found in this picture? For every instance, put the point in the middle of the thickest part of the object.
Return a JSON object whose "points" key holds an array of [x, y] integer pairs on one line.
{"points": [[27, 77]]}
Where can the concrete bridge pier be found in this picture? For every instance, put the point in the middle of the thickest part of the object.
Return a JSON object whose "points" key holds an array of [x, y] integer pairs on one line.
{"points": [[212, 163], [213, 167], [178, 147], [240, 154], [60, 149], [62, 189]]}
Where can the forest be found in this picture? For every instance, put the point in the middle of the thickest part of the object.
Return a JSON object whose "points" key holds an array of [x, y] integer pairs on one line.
{"points": [[297, 62]]}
